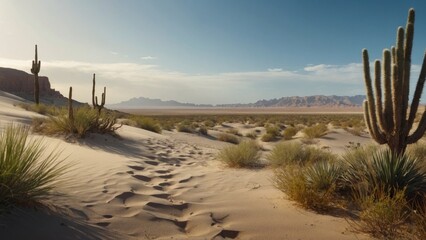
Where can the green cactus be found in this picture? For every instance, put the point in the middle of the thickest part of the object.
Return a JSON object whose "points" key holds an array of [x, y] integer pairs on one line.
{"points": [[35, 69], [70, 109], [387, 121], [95, 98]]}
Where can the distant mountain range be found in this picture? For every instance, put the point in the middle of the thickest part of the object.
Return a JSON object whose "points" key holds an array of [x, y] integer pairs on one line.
{"points": [[308, 101]]}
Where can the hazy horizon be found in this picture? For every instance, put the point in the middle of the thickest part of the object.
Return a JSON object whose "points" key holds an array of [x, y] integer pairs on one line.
{"points": [[204, 52]]}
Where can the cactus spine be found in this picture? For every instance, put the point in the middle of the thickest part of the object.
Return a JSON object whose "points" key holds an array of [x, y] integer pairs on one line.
{"points": [[387, 121], [95, 98], [35, 69]]}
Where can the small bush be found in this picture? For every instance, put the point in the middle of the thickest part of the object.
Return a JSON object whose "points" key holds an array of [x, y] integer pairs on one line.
{"points": [[203, 130], [316, 131], [147, 124], [209, 123], [27, 175], [267, 137], [356, 131], [286, 153], [42, 109], [252, 135], [418, 151], [245, 154], [224, 137], [273, 130], [383, 215], [313, 186], [289, 133], [185, 127], [86, 120]]}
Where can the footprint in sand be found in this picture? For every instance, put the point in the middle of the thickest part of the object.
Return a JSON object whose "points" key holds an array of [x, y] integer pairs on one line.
{"points": [[142, 178]]}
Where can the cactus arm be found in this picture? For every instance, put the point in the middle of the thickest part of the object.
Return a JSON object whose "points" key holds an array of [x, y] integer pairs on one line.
{"points": [[388, 110], [418, 133], [378, 92], [70, 108], [93, 91], [103, 97]]}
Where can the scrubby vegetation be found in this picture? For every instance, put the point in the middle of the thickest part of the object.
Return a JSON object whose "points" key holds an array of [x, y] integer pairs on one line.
{"points": [[225, 137], [147, 124], [245, 154], [289, 133], [315, 131], [27, 172]]}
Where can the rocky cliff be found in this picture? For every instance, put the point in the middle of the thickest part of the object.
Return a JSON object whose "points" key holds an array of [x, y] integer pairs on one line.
{"points": [[21, 84]]}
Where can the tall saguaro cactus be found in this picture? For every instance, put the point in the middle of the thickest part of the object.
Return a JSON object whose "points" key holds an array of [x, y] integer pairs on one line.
{"points": [[95, 98], [387, 121], [35, 69]]}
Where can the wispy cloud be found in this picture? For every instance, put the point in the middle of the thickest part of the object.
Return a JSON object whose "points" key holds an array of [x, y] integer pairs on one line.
{"points": [[113, 53], [126, 80], [148, 58]]}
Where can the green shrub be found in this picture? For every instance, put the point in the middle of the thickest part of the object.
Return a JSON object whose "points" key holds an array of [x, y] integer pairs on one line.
{"points": [[313, 186], [289, 133], [203, 130], [27, 175], [252, 135], [147, 124], [42, 109], [315, 131], [267, 137], [245, 154], [383, 215], [286, 153], [386, 172], [224, 137], [273, 130], [86, 120], [209, 123], [185, 127]]}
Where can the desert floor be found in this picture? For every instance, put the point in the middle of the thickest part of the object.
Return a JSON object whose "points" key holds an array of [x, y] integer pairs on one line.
{"points": [[143, 185]]}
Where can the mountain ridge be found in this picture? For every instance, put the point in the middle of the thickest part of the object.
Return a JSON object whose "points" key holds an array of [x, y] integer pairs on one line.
{"points": [[293, 101]]}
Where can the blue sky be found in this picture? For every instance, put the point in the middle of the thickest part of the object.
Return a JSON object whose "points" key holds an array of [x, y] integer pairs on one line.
{"points": [[222, 51]]}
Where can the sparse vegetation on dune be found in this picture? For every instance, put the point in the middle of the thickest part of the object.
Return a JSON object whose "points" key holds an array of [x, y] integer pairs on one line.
{"points": [[27, 172], [147, 124], [289, 133], [245, 154], [315, 131], [225, 137]]}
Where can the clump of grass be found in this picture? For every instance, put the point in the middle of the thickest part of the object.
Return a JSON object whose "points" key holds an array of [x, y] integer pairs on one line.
{"points": [[313, 186], [224, 137], [356, 131], [203, 130], [289, 133], [147, 124], [252, 135], [42, 109], [268, 137], [234, 132], [418, 151], [27, 174], [245, 154], [382, 214], [185, 126], [315, 131], [286, 153], [85, 120], [273, 132]]}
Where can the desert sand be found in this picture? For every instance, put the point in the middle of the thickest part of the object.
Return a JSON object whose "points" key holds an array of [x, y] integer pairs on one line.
{"points": [[143, 185]]}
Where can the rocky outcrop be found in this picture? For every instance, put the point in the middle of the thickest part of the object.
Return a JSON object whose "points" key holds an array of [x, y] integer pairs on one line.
{"points": [[21, 84]]}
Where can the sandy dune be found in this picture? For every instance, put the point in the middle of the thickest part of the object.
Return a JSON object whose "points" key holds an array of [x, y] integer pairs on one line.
{"points": [[143, 185]]}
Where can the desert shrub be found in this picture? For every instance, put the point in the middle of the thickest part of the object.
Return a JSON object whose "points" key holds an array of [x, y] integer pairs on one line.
{"points": [[245, 154], [209, 123], [273, 130], [147, 124], [418, 151], [234, 132], [185, 126], [289, 133], [312, 186], [86, 120], [383, 215], [315, 131], [27, 172], [285, 153], [267, 137], [203, 130], [386, 172], [252, 135], [224, 137], [42, 109]]}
